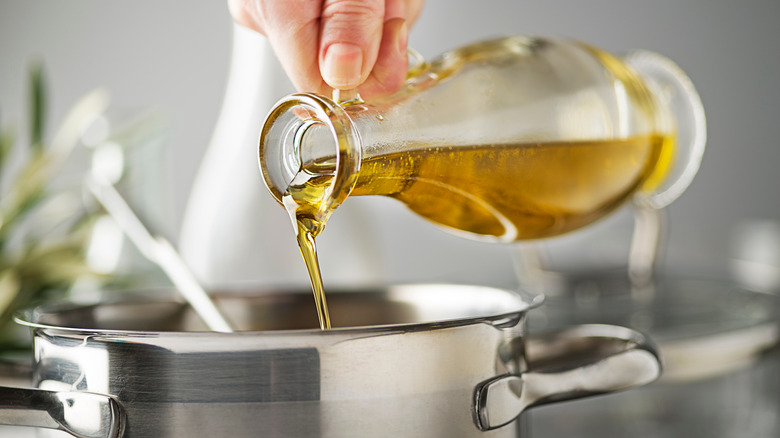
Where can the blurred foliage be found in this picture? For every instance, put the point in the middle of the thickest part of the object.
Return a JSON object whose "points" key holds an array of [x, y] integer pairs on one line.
{"points": [[44, 226]]}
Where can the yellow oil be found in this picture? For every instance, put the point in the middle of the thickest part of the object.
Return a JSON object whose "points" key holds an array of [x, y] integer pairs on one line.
{"points": [[518, 192], [302, 208], [503, 193]]}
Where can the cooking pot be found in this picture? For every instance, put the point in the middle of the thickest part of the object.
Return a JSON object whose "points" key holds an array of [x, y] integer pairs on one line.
{"points": [[415, 360], [721, 349]]}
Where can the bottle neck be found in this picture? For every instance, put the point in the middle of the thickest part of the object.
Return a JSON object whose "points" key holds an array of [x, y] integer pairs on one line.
{"points": [[307, 136]]}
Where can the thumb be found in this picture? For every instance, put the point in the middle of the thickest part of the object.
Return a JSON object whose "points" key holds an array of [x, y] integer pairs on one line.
{"points": [[350, 34]]}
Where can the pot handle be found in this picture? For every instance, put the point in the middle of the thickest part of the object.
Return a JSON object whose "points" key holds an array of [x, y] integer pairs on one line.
{"points": [[81, 414], [578, 362]]}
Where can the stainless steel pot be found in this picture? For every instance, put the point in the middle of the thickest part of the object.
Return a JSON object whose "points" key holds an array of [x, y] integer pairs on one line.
{"points": [[721, 350], [417, 360]]}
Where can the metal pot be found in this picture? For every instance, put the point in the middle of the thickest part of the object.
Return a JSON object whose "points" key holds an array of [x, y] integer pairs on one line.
{"points": [[417, 360], [721, 350]]}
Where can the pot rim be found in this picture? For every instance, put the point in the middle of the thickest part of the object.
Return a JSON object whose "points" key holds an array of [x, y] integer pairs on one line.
{"points": [[522, 302]]}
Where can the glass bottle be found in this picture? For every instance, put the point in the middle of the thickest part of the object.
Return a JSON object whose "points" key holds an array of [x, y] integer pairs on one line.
{"points": [[510, 139]]}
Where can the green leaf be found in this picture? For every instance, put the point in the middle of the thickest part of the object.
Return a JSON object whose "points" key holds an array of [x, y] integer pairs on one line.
{"points": [[55, 265], [68, 135], [37, 105], [6, 143], [26, 192], [9, 287]]}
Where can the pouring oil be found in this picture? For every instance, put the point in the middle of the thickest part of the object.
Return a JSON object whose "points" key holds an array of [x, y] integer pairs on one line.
{"points": [[302, 206], [501, 193]]}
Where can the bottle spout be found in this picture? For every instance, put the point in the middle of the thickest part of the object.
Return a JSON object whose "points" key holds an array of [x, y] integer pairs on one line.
{"points": [[314, 148], [306, 135]]}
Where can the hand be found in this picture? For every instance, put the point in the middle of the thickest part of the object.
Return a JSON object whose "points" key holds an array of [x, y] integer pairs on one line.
{"points": [[344, 44]]}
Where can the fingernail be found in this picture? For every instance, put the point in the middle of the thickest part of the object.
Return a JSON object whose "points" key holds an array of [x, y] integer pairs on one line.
{"points": [[342, 65]]}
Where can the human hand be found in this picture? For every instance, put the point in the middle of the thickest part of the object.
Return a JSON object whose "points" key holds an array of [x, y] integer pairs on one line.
{"points": [[344, 44]]}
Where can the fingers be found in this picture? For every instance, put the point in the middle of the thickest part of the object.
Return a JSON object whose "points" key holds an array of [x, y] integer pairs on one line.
{"points": [[292, 28], [325, 44], [241, 11], [350, 36], [389, 72], [376, 33], [406, 9]]}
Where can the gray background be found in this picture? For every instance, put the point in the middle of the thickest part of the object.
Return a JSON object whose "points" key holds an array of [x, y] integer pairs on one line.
{"points": [[174, 56]]}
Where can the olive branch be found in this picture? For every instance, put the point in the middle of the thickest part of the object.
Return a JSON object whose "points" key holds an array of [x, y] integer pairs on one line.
{"points": [[44, 226]]}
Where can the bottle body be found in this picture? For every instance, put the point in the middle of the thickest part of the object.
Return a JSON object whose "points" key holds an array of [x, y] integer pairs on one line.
{"points": [[519, 191], [511, 139]]}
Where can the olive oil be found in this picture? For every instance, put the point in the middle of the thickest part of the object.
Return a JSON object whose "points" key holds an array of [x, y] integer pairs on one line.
{"points": [[502, 193], [302, 208], [518, 192]]}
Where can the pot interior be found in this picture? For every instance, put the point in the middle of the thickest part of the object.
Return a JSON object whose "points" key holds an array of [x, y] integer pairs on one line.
{"points": [[293, 309]]}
